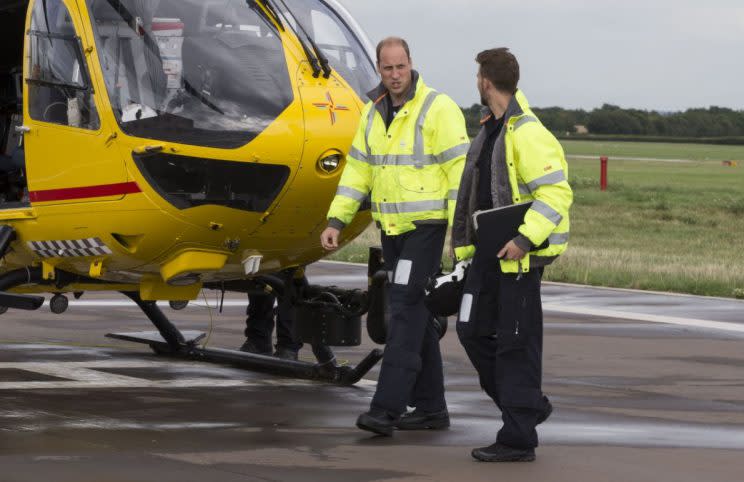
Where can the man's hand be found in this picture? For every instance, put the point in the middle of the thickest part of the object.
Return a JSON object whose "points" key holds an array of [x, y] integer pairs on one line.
{"points": [[511, 251], [329, 239]]}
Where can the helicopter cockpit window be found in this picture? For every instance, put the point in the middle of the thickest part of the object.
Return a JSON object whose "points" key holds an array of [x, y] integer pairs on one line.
{"points": [[201, 72], [59, 85], [336, 39]]}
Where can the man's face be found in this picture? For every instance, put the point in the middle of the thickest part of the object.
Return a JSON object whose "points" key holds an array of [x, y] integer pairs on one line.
{"points": [[395, 69]]}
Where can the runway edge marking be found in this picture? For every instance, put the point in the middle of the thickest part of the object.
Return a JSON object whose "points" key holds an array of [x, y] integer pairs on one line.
{"points": [[627, 315]]}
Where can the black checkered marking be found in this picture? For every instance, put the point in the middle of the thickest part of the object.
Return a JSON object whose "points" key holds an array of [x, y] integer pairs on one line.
{"points": [[76, 248]]}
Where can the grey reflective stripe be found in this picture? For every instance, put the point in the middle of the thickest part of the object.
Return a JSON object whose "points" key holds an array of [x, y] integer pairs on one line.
{"points": [[401, 160], [418, 149], [558, 238], [351, 193], [524, 120], [523, 189], [358, 155], [409, 207], [453, 153], [403, 272], [419, 161], [418, 158], [551, 214], [552, 178], [370, 121], [452, 195]]}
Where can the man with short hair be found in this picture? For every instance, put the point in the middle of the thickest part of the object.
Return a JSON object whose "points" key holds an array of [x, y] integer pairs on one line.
{"points": [[514, 159], [408, 156]]}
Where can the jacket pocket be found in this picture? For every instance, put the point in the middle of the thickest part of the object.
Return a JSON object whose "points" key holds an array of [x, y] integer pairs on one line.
{"points": [[519, 305], [514, 266], [478, 314], [421, 180]]}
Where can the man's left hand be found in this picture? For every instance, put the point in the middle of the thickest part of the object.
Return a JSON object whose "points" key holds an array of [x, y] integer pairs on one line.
{"points": [[511, 251]]}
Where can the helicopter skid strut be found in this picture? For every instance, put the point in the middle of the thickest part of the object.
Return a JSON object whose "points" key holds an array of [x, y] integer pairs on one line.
{"points": [[169, 341]]}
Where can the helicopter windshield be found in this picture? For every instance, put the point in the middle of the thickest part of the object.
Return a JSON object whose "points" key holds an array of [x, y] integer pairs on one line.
{"points": [[339, 38], [202, 72]]}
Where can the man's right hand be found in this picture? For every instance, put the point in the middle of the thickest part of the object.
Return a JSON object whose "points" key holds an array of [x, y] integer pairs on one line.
{"points": [[329, 238]]}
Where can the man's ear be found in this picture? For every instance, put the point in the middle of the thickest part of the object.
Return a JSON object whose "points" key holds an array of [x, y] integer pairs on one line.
{"points": [[487, 84]]}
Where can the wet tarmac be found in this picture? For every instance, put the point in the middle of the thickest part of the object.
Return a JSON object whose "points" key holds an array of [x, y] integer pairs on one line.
{"points": [[645, 388]]}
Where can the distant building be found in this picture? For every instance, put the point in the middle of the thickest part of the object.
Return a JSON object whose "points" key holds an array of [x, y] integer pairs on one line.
{"points": [[581, 129]]}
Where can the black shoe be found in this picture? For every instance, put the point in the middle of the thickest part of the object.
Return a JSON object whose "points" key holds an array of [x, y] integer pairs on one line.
{"points": [[503, 453], [420, 420], [546, 411], [251, 347], [285, 353], [377, 421]]}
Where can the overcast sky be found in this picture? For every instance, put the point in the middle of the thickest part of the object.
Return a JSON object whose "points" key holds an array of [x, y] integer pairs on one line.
{"points": [[653, 54]]}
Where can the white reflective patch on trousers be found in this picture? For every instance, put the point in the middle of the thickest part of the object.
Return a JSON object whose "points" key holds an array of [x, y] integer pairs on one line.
{"points": [[403, 271], [465, 307]]}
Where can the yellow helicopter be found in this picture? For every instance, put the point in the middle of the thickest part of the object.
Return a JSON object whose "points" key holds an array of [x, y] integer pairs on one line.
{"points": [[159, 147]]}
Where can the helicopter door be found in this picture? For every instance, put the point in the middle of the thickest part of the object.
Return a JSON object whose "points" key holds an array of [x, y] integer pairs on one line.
{"points": [[69, 156]]}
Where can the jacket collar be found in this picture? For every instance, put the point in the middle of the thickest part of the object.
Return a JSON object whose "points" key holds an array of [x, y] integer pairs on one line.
{"points": [[380, 92], [518, 105]]}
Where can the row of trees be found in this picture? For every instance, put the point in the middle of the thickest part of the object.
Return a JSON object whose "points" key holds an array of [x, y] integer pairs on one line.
{"points": [[613, 120]]}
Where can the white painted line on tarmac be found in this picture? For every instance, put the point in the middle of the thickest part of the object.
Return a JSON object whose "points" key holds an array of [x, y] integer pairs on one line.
{"points": [[631, 316], [550, 307], [185, 383], [135, 383], [651, 434], [342, 263], [84, 375]]}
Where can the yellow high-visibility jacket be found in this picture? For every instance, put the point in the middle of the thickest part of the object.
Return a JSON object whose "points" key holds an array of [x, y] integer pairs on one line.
{"points": [[537, 171], [411, 170]]}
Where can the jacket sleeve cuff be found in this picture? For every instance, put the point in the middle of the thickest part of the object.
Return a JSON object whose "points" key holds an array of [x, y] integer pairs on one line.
{"points": [[523, 243], [464, 252], [336, 223]]}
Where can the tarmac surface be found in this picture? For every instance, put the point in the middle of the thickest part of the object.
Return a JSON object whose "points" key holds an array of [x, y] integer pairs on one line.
{"points": [[646, 387]]}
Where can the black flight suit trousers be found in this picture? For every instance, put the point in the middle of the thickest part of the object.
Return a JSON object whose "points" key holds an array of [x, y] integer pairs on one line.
{"points": [[501, 328], [260, 323], [411, 371]]}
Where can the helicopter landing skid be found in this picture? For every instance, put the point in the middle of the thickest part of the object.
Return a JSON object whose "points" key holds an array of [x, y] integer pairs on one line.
{"points": [[325, 370]]}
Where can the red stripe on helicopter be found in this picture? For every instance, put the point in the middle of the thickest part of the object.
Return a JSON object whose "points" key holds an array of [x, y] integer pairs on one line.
{"points": [[84, 192], [159, 26]]}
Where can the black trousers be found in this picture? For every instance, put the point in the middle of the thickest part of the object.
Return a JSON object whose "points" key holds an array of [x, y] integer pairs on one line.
{"points": [[501, 328], [259, 323], [411, 371]]}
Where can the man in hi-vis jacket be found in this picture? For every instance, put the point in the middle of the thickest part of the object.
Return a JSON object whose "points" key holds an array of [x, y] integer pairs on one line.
{"points": [[514, 159], [408, 156]]}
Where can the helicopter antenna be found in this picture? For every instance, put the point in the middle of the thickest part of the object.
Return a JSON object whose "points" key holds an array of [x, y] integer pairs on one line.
{"points": [[324, 64]]}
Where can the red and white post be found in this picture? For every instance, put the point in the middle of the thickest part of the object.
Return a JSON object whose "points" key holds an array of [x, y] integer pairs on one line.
{"points": [[603, 173]]}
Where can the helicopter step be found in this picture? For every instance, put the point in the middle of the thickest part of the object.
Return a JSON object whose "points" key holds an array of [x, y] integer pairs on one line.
{"points": [[325, 369], [169, 341], [15, 278]]}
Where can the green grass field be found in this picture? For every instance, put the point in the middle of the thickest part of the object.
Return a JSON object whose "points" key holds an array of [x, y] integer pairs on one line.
{"points": [[666, 226], [694, 152]]}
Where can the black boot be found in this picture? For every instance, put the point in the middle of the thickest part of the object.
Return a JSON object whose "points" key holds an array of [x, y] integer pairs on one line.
{"points": [[285, 353], [547, 410], [377, 421], [503, 453], [420, 420], [251, 346]]}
